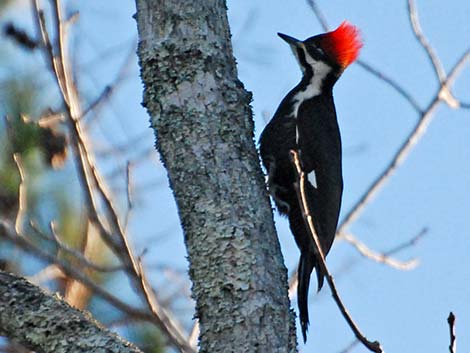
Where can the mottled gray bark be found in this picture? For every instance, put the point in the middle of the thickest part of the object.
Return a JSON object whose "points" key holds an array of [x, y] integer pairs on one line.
{"points": [[202, 120], [45, 323]]}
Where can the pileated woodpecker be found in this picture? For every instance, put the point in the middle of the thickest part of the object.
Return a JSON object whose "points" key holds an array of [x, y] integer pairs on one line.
{"points": [[305, 121]]}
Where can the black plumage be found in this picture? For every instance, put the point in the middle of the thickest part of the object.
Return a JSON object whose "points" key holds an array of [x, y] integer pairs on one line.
{"points": [[305, 121]]}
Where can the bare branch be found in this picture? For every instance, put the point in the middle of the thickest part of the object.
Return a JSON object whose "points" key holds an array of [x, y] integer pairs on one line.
{"points": [[408, 243], [365, 65], [7, 232], [111, 88], [402, 153], [19, 36], [436, 63], [22, 195], [383, 257], [413, 138], [464, 58], [129, 197], [392, 83], [320, 258], [90, 177], [445, 93], [61, 46], [319, 14], [77, 255], [453, 342], [365, 251], [166, 323], [58, 326], [51, 272], [350, 347], [464, 105], [194, 334], [38, 17]]}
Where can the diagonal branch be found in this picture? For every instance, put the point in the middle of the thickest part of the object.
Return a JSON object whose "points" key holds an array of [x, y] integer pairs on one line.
{"points": [[367, 66], [408, 243], [418, 32], [402, 153], [404, 150], [22, 194], [391, 82], [91, 180], [110, 88], [77, 255], [319, 14], [384, 258], [58, 326], [7, 232], [320, 258]]}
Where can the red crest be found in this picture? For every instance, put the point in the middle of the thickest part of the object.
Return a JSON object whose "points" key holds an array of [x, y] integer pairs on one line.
{"points": [[343, 44]]}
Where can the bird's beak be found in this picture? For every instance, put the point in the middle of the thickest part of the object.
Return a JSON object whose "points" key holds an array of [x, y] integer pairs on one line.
{"points": [[290, 40]]}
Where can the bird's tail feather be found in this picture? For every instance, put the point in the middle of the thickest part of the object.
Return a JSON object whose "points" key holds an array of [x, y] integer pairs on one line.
{"points": [[320, 276], [306, 264]]}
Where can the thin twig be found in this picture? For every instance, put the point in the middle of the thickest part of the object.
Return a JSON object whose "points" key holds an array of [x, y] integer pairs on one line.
{"points": [[130, 201], [381, 257], [402, 153], [453, 341], [77, 255], [22, 195], [412, 139], [61, 46], [408, 243], [19, 36], [165, 320], [140, 157], [445, 93], [365, 251], [8, 233], [418, 32], [320, 259], [392, 83], [194, 334], [58, 71], [464, 105], [38, 17], [457, 68], [111, 88], [350, 347], [116, 150], [365, 65], [89, 177], [318, 14], [51, 272]]}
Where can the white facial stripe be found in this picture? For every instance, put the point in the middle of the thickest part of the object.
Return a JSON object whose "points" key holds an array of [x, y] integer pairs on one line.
{"points": [[312, 179], [320, 71]]}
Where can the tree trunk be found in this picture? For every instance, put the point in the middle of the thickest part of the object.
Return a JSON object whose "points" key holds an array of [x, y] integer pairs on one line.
{"points": [[46, 324], [204, 130]]}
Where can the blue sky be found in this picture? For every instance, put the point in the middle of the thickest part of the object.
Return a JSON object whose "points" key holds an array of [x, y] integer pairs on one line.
{"points": [[406, 311]]}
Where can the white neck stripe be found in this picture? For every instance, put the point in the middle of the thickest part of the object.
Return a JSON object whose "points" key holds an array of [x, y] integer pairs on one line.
{"points": [[314, 87]]}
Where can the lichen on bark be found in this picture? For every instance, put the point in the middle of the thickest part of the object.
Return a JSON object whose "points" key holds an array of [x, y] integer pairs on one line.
{"points": [[47, 324], [203, 124]]}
